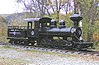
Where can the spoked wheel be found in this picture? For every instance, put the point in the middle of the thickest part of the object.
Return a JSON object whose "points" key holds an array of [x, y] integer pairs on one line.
{"points": [[26, 43], [15, 42], [67, 44], [43, 43], [78, 48], [54, 44], [46, 43], [32, 43], [70, 45], [18, 42], [49, 42], [12, 41], [63, 42], [22, 43]]}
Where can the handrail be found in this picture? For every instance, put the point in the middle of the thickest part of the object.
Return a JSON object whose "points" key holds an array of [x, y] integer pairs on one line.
{"points": [[17, 27]]}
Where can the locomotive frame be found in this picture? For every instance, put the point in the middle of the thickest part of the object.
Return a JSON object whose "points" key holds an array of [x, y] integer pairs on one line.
{"points": [[46, 33]]}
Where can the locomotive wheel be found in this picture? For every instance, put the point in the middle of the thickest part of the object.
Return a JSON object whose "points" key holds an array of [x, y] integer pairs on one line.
{"points": [[63, 42], [55, 42], [49, 42], [16, 42], [12, 41], [22, 42], [43, 41], [78, 48], [31, 43], [26, 43]]}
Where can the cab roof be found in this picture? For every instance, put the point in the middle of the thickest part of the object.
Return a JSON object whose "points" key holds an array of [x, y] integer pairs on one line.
{"points": [[44, 19], [31, 19]]}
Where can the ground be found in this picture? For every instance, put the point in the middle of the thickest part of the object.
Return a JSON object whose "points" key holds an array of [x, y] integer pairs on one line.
{"points": [[13, 56]]}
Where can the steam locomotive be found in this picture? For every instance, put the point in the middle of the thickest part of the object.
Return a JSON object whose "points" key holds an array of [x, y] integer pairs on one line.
{"points": [[45, 32]]}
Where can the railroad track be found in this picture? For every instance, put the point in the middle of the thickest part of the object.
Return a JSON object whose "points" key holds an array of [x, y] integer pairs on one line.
{"points": [[44, 49], [94, 53]]}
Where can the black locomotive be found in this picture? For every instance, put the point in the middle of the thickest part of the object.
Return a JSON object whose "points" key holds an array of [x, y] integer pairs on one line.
{"points": [[45, 32]]}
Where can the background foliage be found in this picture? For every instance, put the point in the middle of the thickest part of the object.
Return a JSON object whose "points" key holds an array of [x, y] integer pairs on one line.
{"points": [[3, 29], [56, 9]]}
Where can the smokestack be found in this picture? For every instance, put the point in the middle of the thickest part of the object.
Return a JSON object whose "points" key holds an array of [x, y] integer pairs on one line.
{"points": [[75, 18]]}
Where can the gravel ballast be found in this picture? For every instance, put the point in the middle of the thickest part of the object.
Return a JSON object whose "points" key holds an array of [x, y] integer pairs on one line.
{"points": [[46, 58]]}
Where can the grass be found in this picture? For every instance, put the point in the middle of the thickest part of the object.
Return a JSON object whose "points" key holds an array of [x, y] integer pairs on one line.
{"points": [[96, 45], [3, 39], [7, 47], [8, 61]]}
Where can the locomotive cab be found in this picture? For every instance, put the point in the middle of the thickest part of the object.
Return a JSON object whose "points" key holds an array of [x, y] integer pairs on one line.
{"points": [[32, 27], [32, 30]]}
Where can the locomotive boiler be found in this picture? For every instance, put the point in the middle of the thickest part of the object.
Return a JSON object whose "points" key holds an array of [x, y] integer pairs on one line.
{"points": [[45, 32]]}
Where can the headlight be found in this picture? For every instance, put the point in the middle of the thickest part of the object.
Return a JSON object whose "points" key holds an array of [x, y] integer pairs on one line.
{"points": [[32, 33]]}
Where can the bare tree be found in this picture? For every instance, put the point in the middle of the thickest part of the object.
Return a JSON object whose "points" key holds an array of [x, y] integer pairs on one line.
{"points": [[31, 6], [44, 7]]}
